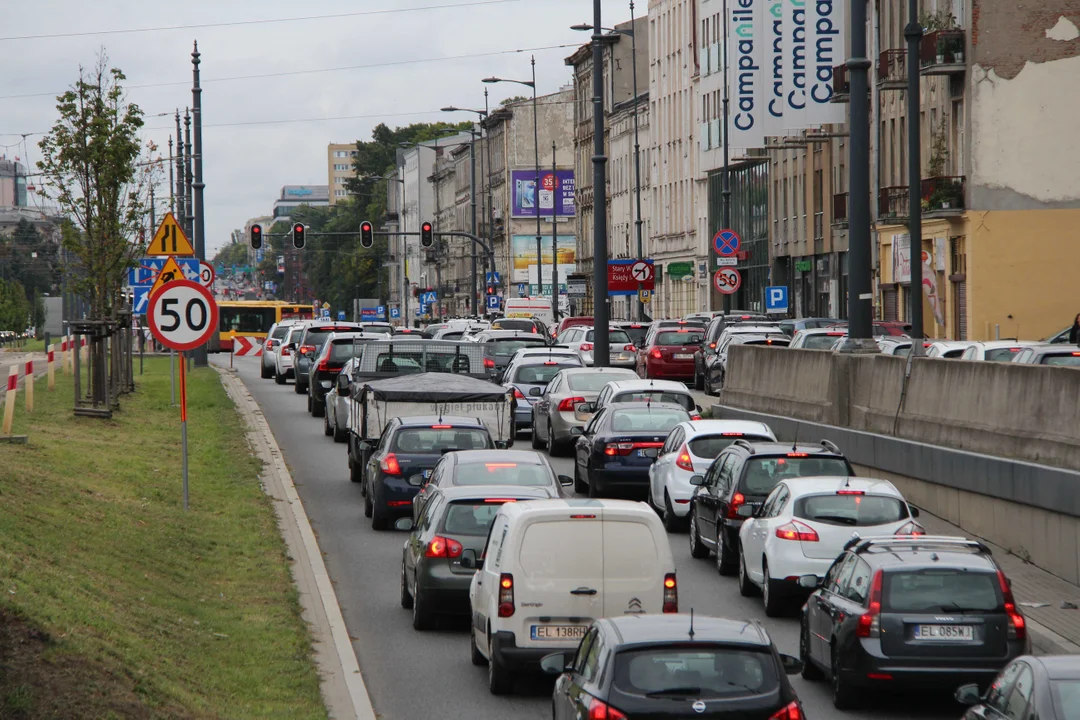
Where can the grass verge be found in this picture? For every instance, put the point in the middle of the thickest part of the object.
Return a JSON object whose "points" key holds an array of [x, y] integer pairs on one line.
{"points": [[114, 602]]}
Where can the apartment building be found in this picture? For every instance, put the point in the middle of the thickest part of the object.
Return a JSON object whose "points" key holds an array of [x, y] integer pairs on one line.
{"points": [[1000, 193], [339, 168], [678, 206]]}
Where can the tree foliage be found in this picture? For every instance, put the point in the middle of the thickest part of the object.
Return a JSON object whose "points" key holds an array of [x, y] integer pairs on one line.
{"points": [[28, 257], [90, 163], [15, 309]]}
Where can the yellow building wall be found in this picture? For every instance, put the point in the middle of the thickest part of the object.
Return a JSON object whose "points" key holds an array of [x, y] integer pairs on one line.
{"points": [[1023, 272]]}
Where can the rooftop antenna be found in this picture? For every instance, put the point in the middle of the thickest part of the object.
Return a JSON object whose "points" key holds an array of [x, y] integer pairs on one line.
{"points": [[795, 444], [691, 623]]}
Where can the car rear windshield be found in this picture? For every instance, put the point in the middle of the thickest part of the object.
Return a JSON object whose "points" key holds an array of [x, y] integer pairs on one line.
{"points": [[396, 364], [471, 517], [777, 341], [821, 341], [280, 331], [317, 335], [851, 510], [523, 325], [426, 441], [1070, 360], [384, 329], [941, 590], [615, 337], [678, 337], [539, 374], [506, 347], [646, 420], [637, 334], [698, 672], [452, 335], [709, 446], [1002, 354], [589, 382], [503, 473], [684, 399], [762, 474], [345, 350]]}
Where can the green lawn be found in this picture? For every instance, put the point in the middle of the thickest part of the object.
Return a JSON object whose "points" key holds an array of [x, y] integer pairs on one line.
{"points": [[127, 606], [30, 345]]}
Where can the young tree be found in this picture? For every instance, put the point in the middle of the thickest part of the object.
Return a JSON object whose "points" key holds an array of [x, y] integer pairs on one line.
{"points": [[90, 162]]}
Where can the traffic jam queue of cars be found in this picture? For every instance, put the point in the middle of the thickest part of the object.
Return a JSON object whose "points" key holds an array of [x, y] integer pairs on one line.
{"points": [[574, 575]]}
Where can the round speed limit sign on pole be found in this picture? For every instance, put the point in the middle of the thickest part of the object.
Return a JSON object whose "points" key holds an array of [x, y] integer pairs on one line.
{"points": [[182, 315], [727, 280]]}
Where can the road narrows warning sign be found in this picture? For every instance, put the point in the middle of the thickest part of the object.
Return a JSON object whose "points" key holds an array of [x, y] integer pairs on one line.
{"points": [[170, 239]]}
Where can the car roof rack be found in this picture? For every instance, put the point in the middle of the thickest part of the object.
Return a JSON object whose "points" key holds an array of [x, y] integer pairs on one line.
{"points": [[831, 446], [743, 442], [915, 541]]}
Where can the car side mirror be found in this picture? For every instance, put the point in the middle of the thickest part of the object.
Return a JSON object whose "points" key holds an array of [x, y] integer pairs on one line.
{"points": [[555, 664], [470, 561], [791, 665], [697, 480], [404, 523], [502, 444], [566, 480], [589, 407], [577, 432], [968, 694], [810, 582], [698, 407], [536, 392], [745, 511], [914, 511], [416, 480]]}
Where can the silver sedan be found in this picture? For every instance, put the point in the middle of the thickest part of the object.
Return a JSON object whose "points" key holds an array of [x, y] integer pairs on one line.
{"points": [[555, 413]]}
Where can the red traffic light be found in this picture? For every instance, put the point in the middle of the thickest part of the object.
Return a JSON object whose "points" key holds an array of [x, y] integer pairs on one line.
{"points": [[298, 227], [427, 238], [426, 227], [365, 226]]}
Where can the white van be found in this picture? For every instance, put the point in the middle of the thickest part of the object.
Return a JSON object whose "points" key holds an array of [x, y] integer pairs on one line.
{"points": [[530, 307], [551, 567]]}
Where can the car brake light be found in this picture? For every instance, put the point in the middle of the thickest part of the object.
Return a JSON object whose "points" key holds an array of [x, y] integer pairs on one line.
{"points": [[790, 712], [683, 330], [285, 351], [870, 622], [671, 594], [712, 346], [850, 492], [910, 528], [304, 349], [499, 466], [389, 465], [506, 595], [442, 547], [518, 395], [630, 348], [324, 366], [1017, 626], [795, 530], [489, 363], [442, 427], [586, 347], [732, 434], [737, 500], [600, 710], [550, 362], [500, 501], [798, 454], [567, 404], [582, 517], [656, 353], [1076, 354], [683, 462]]}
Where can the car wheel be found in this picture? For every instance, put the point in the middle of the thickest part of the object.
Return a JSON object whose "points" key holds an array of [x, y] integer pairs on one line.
{"points": [[579, 485], [299, 389], [746, 587], [671, 522], [554, 449], [279, 378], [356, 474], [369, 509], [810, 671], [266, 373], [725, 562], [771, 594], [309, 404], [844, 696], [317, 408], [536, 443], [406, 597], [699, 381], [421, 618], [326, 429], [474, 652], [697, 548], [340, 435], [500, 681], [379, 521]]}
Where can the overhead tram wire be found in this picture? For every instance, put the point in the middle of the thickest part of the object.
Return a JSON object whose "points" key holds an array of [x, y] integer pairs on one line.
{"points": [[268, 21]]}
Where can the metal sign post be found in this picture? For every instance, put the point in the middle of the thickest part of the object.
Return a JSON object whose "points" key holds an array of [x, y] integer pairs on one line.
{"points": [[183, 425]]}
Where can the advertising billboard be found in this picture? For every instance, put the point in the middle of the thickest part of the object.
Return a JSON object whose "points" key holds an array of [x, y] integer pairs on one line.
{"points": [[523, 249], [556, 193]]}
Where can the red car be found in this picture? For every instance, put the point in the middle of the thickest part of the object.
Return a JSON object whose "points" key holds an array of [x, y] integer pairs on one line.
{"points": [[670, 353]]}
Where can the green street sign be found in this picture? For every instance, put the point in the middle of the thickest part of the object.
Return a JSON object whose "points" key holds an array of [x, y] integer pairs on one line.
{"points": [[804, 265], [680, 269]]}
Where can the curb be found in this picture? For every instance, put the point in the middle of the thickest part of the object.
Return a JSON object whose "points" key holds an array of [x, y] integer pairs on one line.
{"points": [[341, 682], [1045, 641]]}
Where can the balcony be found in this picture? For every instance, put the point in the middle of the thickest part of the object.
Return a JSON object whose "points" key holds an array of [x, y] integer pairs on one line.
{"points": [[841, 85], [839, 210], [893, 204], [892, 70], [943, 196], [942, 52]]}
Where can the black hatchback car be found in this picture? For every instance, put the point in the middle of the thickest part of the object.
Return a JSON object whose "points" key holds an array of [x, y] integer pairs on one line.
{"points": [[339, 349], [744, 474], [406, 455], [906, 612], [674, 666], [310, 344]]}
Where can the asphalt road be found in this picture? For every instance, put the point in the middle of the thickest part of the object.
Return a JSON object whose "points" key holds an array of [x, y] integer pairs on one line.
{"points": [[411, 675]]}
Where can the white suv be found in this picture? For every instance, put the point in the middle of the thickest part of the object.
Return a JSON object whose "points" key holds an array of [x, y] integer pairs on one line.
{"points": [[551, 567], [285, 351]]}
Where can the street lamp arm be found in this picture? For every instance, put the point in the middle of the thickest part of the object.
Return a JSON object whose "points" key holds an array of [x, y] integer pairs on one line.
{"points": [[583, 27], [526, 83]]}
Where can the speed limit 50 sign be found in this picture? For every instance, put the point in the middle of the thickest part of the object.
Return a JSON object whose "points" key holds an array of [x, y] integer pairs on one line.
{"points": [[182, 315]]}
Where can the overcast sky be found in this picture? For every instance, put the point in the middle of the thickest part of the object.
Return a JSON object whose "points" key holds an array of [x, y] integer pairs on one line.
{"points": [[246, 164]]}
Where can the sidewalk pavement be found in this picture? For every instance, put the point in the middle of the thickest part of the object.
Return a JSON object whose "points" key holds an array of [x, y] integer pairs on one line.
{"points": [[1053, 629]]}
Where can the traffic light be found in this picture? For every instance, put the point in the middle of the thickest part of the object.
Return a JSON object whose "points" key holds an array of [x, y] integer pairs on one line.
{"points": [[427, 238], [298, 240], [255, 237], [367, 235]]}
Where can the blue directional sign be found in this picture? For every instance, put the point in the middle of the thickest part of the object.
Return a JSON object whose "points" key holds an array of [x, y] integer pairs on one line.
{"points": [[341, 315], [141, 300], [149, 268], [776, 299], [395, 313], [492, 278], [492, 302]]}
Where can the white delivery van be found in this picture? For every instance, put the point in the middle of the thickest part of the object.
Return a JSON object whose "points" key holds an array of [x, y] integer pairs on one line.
{"points": [[551, 567], [529, 307]]}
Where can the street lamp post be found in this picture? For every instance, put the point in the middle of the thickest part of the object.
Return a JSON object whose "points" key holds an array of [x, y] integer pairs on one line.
{"points": [[638, 222], [472, 195], [536, 188]]}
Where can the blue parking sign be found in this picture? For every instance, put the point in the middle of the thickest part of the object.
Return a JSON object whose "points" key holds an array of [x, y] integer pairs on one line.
{"points": [[493, 302], [776, 299], [395, 313]]}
